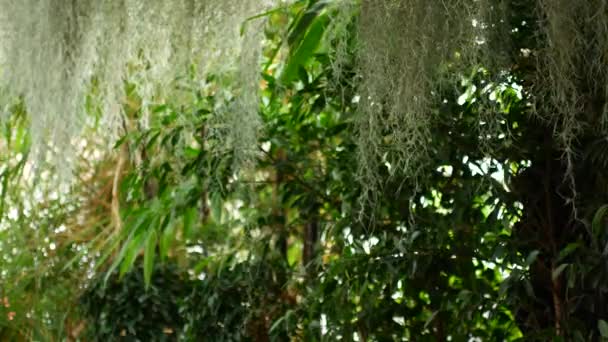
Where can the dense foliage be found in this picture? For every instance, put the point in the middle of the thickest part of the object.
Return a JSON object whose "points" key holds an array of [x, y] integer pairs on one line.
{"points": [[370, 170]]}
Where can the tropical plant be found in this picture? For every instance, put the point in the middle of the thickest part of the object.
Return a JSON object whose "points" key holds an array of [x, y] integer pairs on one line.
{"points": [[362, 170]]}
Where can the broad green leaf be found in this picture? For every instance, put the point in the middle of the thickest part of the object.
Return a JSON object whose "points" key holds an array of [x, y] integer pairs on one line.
{"points": [[305, 21], [191, 152], [305, 50]]}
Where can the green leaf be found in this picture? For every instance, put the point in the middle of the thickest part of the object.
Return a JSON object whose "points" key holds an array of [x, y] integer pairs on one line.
{"points": [[568, 250], [529, 289], [572, 276], [603, 327], [258, 16], [430, 319], [189, 218], [284, 319], [119, 258], [305, 50], [556, 272], [578, 336], [132, 245], [121, 141], [191, 152], [152, 140], [596, 224], [276, 324], [166, 240], [216, 207], [149, 254], [133, 248], [202, 264], [532, 257], [305, 22], [159, 108]]}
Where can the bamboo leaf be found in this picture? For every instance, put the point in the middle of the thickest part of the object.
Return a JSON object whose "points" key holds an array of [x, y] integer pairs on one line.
{"points": [[166, 240], [532, 257], [149, 254], [569, 249], [118, 259], [556, 272], [596, 224], [133, 248], [430, 319]]}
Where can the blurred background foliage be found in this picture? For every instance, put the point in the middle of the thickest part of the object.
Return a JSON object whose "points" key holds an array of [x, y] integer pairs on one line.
{"points": [[167, 237]]}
